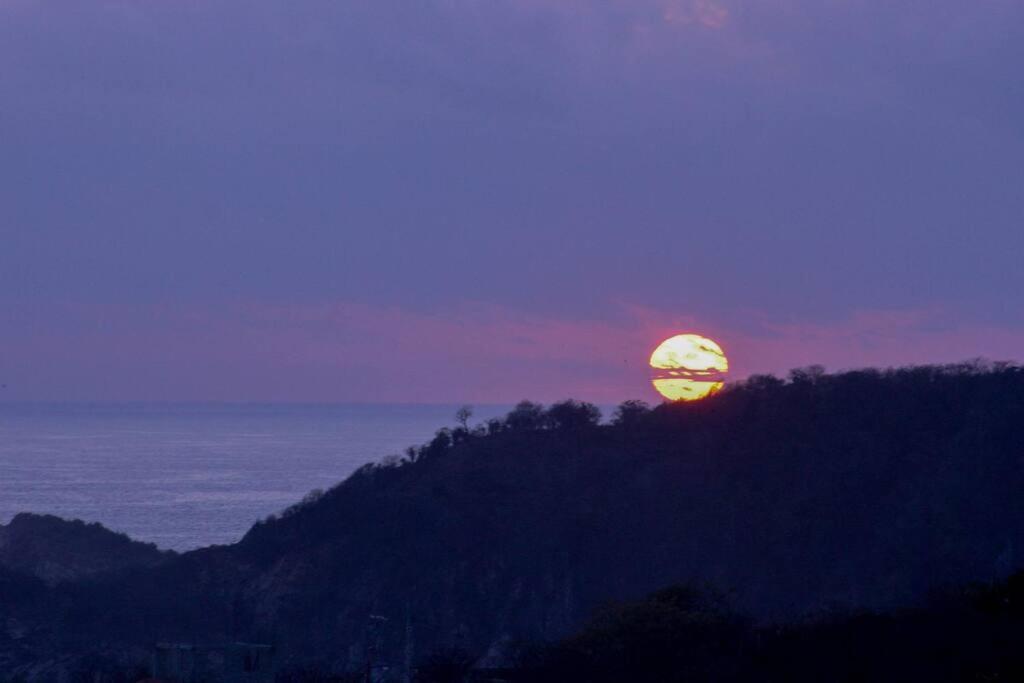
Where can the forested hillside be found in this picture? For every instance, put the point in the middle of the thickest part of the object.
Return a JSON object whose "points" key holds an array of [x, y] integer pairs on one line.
{"points": [[865, 489]]}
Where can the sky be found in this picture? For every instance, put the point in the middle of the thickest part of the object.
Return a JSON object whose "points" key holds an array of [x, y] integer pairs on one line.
{"points": [[487, 200]]}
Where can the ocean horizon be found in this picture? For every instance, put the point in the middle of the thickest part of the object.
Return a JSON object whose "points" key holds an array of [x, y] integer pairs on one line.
{"points": [[187, 475]]}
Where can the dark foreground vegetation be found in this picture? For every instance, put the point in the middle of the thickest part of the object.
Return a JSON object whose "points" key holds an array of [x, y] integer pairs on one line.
{"points": [[866, 494], [686, 635], [681, 635]]}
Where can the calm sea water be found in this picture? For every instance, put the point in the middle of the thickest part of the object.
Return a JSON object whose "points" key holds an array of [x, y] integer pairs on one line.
{"points": [[189, 475]]}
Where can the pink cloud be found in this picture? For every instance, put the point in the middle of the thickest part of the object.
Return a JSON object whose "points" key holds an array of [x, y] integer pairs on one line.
{"points": [[706, 13], [355, 352], [879, 338]]}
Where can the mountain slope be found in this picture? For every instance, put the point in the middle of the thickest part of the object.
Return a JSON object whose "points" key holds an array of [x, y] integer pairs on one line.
{"points": [[865, 489], [55, 550]]}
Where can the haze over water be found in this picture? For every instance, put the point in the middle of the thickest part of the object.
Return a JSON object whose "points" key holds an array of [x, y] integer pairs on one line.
{"points": [[189, 475]]}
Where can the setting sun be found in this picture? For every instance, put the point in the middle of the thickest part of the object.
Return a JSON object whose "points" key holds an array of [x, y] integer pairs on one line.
{"points": [[688, 367]]}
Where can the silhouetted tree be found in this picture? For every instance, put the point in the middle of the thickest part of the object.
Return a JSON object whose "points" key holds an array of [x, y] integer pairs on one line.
{"points": [[762, 383], [494, 426], [526, 416], [811, 374], [463, 415], [441, 442], [630, 413], [571, 414]]}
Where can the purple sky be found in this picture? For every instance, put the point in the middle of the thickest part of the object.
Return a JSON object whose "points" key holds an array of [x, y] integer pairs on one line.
{"points": [[455, 200]]}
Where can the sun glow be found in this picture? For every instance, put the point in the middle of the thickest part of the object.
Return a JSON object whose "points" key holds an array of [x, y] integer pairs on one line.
{"points": [[688, 367]]}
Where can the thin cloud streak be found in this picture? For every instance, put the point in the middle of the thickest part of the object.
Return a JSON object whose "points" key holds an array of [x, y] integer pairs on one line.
{"points": [[353, 352]]}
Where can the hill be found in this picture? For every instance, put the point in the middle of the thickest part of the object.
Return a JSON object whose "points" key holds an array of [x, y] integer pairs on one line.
{"points": [[861, 490], [55, 550]]}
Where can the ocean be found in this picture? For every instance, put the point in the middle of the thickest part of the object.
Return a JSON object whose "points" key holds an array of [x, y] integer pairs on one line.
{"points": [[190, 475]]}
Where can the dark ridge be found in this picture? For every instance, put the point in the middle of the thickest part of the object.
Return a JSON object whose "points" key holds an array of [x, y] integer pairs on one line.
{"points": [[54, 549], [865, 490]]}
